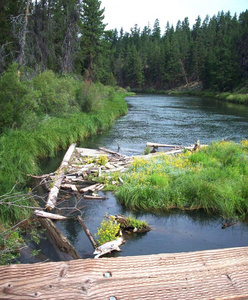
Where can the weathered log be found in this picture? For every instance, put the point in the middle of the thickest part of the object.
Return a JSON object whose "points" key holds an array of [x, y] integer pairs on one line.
{"points": [[43, 214], [109, 151], [89, 235], [69, 186], [109, 247], [52, 197], [58, 240], [92, 188], [148, 144], [94, 197]]}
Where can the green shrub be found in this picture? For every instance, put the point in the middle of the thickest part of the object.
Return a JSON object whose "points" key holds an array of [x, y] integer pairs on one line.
{"points": [[54, 93], [15, 105]]}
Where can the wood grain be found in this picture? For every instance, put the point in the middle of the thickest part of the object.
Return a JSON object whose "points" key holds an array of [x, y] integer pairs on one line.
{"points": [[212, 274]]}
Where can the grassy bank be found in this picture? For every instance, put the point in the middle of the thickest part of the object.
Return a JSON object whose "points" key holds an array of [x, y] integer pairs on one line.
{"points": [[239, 96], [67, 110], [215, 179], [40, 115]]}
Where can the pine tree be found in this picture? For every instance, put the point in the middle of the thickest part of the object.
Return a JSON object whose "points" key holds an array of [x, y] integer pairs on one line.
{"points": [[92, 34]]}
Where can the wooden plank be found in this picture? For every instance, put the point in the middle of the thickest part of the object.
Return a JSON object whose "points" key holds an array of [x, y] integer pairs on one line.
{"points": [[211, 274]]}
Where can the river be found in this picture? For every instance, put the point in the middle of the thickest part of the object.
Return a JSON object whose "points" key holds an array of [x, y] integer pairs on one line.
{"points": [[170, 120]]}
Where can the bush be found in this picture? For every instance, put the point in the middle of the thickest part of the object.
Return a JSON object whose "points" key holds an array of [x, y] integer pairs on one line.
{"points": [[15, 105], [55, 93], [108, 231]]}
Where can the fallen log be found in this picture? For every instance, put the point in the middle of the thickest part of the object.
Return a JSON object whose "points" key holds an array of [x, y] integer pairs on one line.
{"points": [[43, 214], [109, 151], [148, 144], [94, 197], [58, 240], [89, 235], [109, 247], [59, 175], [92, 188], [69, 187]]}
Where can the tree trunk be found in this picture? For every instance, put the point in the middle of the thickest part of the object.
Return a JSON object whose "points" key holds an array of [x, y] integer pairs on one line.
{"points": [[184, 74], [23, 40]]}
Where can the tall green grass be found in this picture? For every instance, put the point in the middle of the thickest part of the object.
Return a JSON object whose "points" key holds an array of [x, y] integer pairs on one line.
{"points": [[215, 179], [21, 149]]}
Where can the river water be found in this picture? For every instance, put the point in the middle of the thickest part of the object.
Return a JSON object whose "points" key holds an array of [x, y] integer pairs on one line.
{"points": [[170, 120]]}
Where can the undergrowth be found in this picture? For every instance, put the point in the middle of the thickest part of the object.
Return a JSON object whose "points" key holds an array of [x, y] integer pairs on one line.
{"points": [[59, 119]]}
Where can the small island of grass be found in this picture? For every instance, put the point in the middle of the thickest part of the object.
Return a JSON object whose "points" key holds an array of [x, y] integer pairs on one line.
{"points": [[214, 178]]}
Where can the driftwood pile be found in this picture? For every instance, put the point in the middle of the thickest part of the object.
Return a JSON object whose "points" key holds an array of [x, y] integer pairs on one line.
{"points": [[86, 165], [81, 168]]}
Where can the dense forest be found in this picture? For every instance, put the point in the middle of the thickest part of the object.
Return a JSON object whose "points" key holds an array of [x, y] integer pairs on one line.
{"points": [[70, 37]]}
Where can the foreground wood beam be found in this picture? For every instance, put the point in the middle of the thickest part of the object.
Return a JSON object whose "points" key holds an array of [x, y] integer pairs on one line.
{"points": [[59, 175], [211, 274]]}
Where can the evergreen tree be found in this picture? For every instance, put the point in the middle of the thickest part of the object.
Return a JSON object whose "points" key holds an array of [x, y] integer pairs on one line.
{"points": [[243, 44], [92, 35]]}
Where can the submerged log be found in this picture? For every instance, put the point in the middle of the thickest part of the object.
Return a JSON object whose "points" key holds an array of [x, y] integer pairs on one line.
{"points": [[89, 235], [58, 240], [43, 214], [60, 173], [228, 224]]}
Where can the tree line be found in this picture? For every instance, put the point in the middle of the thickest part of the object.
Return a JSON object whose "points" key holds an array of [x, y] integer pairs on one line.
{"points": [[70, 37]]}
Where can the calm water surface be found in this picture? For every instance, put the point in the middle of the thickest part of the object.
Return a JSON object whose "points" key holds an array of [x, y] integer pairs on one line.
{"points": [[170, 120], [173, 120]]}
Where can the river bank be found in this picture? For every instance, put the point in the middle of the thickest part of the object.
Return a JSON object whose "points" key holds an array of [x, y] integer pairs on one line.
{"points": [[239, 96], [21, 150]]}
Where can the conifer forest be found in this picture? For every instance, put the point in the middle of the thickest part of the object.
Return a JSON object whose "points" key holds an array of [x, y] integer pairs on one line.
{"points": [[70, 37]]}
